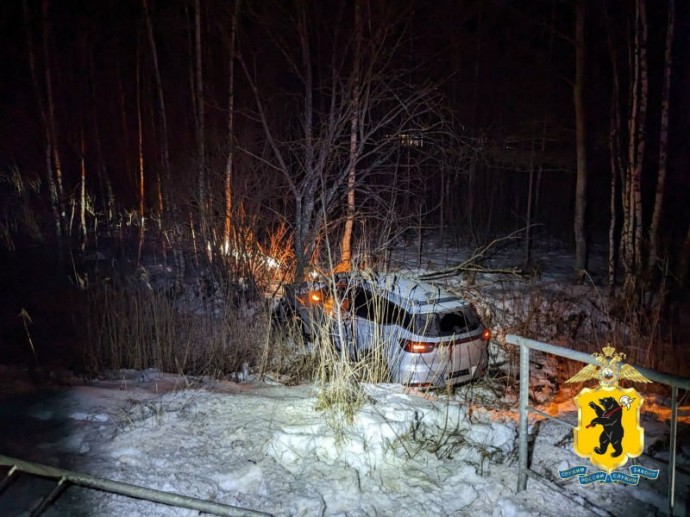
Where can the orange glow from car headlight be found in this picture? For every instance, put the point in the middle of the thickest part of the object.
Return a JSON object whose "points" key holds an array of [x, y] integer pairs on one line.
{"points": [[486, 335]]}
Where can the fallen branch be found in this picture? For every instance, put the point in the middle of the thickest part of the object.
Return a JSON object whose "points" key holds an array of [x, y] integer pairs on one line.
{"points": [[473, 263]]}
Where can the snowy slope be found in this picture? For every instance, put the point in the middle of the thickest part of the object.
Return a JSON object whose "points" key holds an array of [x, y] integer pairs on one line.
{"points": [[263, 446]]}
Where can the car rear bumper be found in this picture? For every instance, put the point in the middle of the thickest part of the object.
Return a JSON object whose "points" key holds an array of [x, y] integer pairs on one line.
{"points": [[431, 371]]}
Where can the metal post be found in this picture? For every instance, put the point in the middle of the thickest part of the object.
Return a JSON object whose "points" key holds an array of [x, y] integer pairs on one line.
{"points": [[134, 491], [8, 478], [49, 499], [522, 426], [672, 451]]}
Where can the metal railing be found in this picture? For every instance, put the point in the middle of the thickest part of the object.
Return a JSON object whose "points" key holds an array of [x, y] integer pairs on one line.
{"points": [[676, 383], [65, 478]]}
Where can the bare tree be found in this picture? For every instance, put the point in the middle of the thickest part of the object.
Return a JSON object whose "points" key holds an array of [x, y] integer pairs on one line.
{"points": [[616, 164], [580, 142], [200, 122], [163, 131], [631, 238], [140, 161], [231, 131], [663, 143], [82, 190], [52, 122], [105, 185], [45, 119], [638, 240], [346, 246], [315, 159]]}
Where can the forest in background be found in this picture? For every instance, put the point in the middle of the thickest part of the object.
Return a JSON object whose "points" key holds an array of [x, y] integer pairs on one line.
{"points": [[267, 136]]}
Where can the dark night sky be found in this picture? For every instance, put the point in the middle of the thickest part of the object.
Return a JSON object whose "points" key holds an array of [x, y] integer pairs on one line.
{"points": [[501, 69]]}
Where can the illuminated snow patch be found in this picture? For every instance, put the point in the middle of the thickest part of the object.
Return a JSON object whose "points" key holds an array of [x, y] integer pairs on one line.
{"points": [[247, 479]]}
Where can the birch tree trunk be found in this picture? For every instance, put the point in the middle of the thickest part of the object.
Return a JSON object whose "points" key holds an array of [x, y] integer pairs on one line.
{"points": [[616, 164], [104, 184], [82, 191], [140, 162], [640, 137], [304, 207], [580, 142], [231, 133], [50, 173], [346, 246], [627, 246], [663, 144], [200, 118], [631, 241], [616, 171], [164, 145], [528, 212], [52, 124]]}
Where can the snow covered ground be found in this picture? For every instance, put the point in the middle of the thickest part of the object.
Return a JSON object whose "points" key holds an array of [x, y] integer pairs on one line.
{"points": [[261, 445]]}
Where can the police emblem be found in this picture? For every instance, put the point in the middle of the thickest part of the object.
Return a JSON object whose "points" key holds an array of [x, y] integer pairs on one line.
{"points": [[608, 431]]}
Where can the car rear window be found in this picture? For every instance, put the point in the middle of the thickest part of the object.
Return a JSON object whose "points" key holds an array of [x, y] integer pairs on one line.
{"points": [[459, 322], [385, 312], [444, 324]]}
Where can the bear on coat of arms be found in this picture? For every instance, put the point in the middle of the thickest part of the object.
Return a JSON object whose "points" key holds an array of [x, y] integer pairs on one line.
{"points": [[610, 418]]}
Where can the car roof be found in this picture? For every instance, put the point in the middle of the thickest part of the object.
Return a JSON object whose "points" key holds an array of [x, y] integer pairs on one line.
{"points": [[406, 291]]}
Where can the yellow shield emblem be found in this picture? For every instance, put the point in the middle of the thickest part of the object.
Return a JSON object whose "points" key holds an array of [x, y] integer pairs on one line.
{"points": [[608, 431], [608, 428]]}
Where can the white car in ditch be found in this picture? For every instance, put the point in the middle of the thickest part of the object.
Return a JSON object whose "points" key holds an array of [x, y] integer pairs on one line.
{"points": [[428, 336]]}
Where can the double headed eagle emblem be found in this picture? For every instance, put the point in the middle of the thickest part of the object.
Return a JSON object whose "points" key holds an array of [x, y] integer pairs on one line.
{"points": [[608, 370], [608, 417]]}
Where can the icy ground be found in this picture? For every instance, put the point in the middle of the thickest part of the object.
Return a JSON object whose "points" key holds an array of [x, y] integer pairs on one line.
{"points": [[263, 446]]}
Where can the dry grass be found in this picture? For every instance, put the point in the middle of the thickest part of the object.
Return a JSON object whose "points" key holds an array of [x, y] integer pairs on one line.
{"points": [[141, 328], [292, 359], [19, 215], [338, 373], [580, 317], [286, 356]]}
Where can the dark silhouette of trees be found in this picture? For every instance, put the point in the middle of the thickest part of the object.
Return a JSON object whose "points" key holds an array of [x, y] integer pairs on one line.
{"points": [[354, 124]]}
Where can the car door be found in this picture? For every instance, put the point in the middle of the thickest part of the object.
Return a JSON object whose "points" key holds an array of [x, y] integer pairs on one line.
{"points": [[363, 316], [378, 326]]}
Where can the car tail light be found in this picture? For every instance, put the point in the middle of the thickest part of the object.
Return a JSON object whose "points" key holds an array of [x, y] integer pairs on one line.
{"points": [[418, 347], [486, 335]]}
